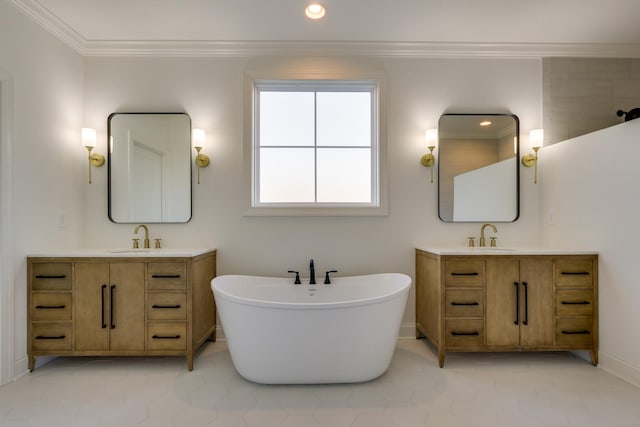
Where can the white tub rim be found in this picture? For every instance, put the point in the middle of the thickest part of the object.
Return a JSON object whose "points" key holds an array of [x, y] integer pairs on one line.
{"points": [[403, 287]]}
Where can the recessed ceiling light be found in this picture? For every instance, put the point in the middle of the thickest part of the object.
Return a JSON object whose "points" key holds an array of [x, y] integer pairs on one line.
{"points": [[485, 123], [315, 11]]}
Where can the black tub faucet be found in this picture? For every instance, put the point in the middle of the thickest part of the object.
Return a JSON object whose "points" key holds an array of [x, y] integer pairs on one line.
{"points": [[312, 273]]}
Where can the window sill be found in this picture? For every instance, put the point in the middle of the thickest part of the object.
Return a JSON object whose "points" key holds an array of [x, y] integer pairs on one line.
{"points": [[317, 211]]}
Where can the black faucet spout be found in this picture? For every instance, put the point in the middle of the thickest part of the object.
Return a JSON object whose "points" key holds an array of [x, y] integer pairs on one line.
{"points": [[312, 273]]}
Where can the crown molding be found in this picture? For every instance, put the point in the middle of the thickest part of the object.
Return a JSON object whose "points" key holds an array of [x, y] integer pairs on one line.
{"points": [[203, 48], [51, 23], [348, 48]]}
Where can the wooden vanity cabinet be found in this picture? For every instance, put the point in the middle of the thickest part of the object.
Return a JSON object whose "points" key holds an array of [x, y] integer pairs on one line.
{"points": [[479, 303], [94, 306]]}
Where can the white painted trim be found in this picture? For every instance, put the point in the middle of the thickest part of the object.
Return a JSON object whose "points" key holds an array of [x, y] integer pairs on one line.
{"points": [[196, 48], [7, 370], [620, 369], [370, 49], [51, 23]]}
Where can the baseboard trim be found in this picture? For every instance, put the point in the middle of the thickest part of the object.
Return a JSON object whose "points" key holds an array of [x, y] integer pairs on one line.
{"points": [[620, 369]]}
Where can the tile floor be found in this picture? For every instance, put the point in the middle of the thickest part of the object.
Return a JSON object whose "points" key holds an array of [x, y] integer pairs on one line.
{"points": [[473, 390]]}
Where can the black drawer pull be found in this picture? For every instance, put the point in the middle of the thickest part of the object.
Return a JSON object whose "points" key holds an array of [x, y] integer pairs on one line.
{"points": [[465, 274], [45, 337], [464, 303], [51, 306], [165, 337], [165, 276], [165, 306], [575, 273], [576, 302], [461, 334], [576, 332], [48, 276]]}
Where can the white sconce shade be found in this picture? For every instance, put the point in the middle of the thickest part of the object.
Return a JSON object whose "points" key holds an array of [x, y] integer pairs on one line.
{"points": [[198, 138], [431, 137], [88, 137], [536, 138]]}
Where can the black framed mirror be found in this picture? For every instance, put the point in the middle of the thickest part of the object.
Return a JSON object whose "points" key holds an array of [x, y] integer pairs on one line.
{"points": [[149, 167], [478, 168]]}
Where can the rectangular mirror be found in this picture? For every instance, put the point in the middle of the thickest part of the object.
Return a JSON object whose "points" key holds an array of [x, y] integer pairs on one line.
{"points": [[478, 166], [149, 163]]}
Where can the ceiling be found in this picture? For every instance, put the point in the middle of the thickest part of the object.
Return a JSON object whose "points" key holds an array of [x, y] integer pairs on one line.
{"points": [[554, 25]]}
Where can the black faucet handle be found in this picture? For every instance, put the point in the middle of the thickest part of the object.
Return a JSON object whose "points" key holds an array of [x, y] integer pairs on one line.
{"points": [[297, 281], [327, 280]]}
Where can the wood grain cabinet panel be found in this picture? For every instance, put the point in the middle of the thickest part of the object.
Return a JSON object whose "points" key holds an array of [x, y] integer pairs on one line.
{"points": [[507, 302], [100, 306]]}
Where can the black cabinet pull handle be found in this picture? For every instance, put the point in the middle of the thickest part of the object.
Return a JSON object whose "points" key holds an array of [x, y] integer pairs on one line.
{"points": [[51, 306], [165, 306], [517, 285], [526, 303], [102, 292], [45, 337], [165, 337], [165, 276], [111, 319], [460, 334], [464, 303], [576, 302], [465, 274], [51, 276], [575, 273], [576, 332]]}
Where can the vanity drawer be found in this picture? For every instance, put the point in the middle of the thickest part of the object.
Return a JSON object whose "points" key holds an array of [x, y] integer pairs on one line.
{"points": [[166, 306], [573, 273], [464, 303], [574, 302], [52, 276], [167, 275], [51, 336], [50, 306], [464, 272], [464, 332], [167, 336], [574, 331]]}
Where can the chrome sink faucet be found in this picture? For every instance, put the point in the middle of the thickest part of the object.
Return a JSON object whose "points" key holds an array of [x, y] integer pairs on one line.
{"points": [[483, 241], [146, 236]]}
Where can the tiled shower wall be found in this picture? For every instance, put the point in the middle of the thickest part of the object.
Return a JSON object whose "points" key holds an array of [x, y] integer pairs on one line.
{"points": [[581, 95]]}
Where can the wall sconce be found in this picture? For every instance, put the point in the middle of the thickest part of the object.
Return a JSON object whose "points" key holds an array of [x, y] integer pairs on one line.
{"points": [[89, 141], [197, 140], [429, 160], [536, 139]]}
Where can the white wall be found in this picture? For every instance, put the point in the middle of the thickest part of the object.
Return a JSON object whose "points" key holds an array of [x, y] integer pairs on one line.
{"points": [[47, 157], [591, 196], [210, 90]]}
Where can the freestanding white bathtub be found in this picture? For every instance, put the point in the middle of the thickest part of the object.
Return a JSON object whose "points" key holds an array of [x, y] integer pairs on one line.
{"points": [[281, 333]]}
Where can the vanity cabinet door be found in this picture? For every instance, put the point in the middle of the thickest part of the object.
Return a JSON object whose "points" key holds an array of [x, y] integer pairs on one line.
{"points": [[109, 302], [520, 310]]}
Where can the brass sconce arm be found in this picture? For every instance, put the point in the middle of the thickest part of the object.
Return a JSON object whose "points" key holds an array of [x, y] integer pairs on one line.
{"points": [[429, 160]]}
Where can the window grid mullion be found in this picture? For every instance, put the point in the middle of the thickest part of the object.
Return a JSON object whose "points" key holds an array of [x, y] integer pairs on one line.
{"points": [[315, 147]]}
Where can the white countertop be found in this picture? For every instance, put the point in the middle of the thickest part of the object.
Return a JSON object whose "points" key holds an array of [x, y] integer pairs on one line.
{"points": [[487, 250], [122, 253]]}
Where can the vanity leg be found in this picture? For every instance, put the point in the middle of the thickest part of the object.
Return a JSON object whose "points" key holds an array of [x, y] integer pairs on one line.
{"points": [[441, 358], [594, 357], [32, 363], [190, 362]]}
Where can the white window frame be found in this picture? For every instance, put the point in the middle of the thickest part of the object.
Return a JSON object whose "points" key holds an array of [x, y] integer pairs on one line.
{"points": [[378, 204]]}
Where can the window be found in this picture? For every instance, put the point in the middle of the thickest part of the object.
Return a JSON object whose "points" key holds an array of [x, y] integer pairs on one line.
{"points": [[315, 145]]}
